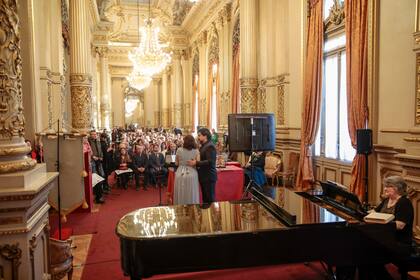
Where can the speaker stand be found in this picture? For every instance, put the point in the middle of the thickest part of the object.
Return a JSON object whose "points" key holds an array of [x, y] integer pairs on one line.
{"points": [[366, 180]]}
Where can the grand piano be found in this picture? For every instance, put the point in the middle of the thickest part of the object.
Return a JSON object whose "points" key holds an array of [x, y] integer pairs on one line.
{"points": [[281, 227]]}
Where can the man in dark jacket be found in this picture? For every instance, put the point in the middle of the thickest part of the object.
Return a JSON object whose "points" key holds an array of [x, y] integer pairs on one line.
{"points": [[140, 164], [207, 172], [157, 166], [96, 163]]}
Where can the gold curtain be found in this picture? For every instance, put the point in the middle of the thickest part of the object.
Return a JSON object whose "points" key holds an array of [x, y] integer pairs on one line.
{"points": [[236, 93], [311, 94], [356, 12]]}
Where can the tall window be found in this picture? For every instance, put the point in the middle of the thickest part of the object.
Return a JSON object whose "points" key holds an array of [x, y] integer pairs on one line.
{"points": [[214, 97], [333, 139], [195, 101]]}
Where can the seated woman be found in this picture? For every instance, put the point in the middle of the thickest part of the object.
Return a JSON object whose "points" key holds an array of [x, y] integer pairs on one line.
{"points": [[396, 202], [257, 174], [123, 163]]}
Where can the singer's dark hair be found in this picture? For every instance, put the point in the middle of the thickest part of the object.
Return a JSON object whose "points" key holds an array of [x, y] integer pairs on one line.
{"points": [[206, 132]]}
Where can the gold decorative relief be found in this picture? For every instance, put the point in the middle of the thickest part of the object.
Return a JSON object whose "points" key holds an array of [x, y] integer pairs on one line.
{"points": [[11, 110], [248, 100], [262, 99], [418, 89], [280, 105], [214, 50], [12, 122], [81, 92], [17, 165], [165, 118], [13, 254], [278, 82], [178, 113], [336, 15]]}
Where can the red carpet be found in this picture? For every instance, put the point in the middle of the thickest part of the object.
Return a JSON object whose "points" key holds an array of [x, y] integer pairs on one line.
{"points": [[103, 261]]}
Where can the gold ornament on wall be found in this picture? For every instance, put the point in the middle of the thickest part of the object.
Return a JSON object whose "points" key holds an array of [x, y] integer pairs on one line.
{"points": [[81, 99], [11, 110], [418, 89]]}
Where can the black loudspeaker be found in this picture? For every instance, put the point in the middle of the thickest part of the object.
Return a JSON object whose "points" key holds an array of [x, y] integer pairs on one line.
{"points": [[251, 132], [364, 141]]}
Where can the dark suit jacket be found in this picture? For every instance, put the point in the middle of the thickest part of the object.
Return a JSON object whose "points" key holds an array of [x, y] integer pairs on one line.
{"points": [[156, 161], [206, 167], [140, 160]]}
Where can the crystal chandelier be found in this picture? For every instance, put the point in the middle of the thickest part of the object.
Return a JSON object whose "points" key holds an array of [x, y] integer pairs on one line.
{"points": [[138, 81], [149, 58]]}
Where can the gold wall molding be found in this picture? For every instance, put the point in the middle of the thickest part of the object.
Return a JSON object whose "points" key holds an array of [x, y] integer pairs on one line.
{"points": [[249, 100], [417, 101], [13, 254], [412, 139], [248, 82], [278, 82]]}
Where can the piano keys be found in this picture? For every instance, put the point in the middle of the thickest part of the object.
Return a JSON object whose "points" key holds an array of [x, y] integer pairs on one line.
{"points": [[293, 227]]}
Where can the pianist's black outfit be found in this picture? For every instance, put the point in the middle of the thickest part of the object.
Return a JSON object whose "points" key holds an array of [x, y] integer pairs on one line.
{"points": [[207, 172], [403, 211]]}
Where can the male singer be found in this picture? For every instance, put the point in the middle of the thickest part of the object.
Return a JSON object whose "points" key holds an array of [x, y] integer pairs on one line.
{"points": [[206, 167]]}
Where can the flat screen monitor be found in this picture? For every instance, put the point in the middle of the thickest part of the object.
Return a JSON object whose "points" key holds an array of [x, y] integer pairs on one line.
{"points": [[251, 132]]}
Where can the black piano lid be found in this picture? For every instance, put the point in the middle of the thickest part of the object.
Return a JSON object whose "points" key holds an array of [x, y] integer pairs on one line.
{"points": [[220, 218]]}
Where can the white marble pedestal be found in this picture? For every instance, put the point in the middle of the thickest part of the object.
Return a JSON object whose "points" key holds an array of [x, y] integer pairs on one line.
{"points": [[24, 226]]}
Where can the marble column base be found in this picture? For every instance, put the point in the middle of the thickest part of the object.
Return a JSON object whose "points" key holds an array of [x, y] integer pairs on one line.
{"points": [[24, 226]]}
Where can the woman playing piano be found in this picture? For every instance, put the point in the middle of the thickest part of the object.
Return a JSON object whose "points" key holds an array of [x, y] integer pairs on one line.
{"points": [[396, 202]]}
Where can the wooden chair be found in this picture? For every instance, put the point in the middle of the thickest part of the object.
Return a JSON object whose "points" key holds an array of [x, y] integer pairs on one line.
{"points": [[61, 259], [273, 165], [289, 175]]}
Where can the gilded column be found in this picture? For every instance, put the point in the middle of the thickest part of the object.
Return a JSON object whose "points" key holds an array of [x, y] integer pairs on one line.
{"points": [[186, 89], [105, 107], [164, 100], [249, 80], [80, 79], [13, 148], [156, 110], [177, 90]]}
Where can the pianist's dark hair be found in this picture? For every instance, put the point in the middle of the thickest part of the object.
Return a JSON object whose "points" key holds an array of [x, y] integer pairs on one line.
{"points": [[206, 132], [189, 143]]}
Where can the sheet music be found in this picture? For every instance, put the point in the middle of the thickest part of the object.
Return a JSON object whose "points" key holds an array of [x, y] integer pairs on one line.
{"points": [[96, 179], [120, 171]]}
